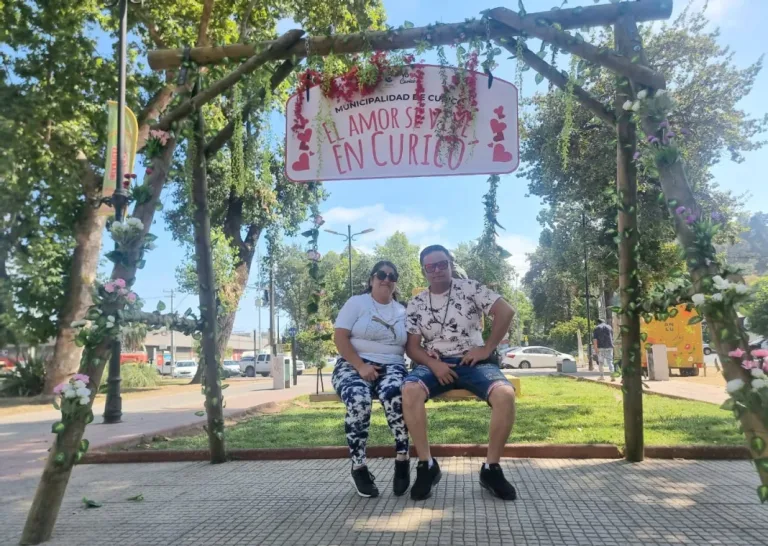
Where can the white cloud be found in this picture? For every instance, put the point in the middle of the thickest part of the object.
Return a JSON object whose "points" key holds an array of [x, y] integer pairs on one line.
{"points": [[519, 246], [384, 222]]}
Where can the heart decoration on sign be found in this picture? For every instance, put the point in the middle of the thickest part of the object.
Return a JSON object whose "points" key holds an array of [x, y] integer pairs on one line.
{"points": [[499, 112], [302, 164], [501, 155], [497, 126], [498, 137]]}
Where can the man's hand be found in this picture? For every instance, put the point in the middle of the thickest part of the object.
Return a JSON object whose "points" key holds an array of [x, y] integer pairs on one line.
{"points": [[444, 372], [368, 372], [475, 355]]}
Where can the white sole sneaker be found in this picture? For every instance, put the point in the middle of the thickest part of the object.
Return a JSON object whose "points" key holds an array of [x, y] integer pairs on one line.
{"points": [[360, 493]]}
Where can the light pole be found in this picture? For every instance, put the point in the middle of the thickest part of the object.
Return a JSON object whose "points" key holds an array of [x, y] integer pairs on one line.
{"points": [[113, 407], [349, 237]]}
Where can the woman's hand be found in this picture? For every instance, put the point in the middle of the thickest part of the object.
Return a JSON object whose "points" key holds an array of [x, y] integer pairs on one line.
{"points": [[368, 372]]}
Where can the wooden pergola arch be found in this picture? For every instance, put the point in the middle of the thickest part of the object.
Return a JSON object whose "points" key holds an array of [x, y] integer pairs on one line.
{"points": [[504, 26]]}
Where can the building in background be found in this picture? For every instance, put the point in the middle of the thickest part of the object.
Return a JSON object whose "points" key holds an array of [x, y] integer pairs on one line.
{"points": [[186, 347]]}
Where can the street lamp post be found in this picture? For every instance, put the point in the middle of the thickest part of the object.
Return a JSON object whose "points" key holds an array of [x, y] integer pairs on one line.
{"points": [[349, 237], [113, 408]]}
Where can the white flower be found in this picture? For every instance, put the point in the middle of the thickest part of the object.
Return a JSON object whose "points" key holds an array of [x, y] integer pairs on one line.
{"points": [[757, 373], [642, 94], [717, 297], [758, 384], [734, 385], [134, 223], [79, 385], [698, 299], [636, 106], [628, 105], [661, 93], [116, 226], [740, 288], [69, 393], [721, 283], [83, 392], [84, 401]]}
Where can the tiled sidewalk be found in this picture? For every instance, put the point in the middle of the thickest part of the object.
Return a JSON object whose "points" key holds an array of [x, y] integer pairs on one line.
{"points": [[561, 502]]}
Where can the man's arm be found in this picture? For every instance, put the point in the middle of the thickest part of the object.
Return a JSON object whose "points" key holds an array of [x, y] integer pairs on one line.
{"points": [[502, 314]]}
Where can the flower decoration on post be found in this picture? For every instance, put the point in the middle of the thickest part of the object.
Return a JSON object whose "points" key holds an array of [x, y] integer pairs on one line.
{"points": [[155, 143], [73, 400]]}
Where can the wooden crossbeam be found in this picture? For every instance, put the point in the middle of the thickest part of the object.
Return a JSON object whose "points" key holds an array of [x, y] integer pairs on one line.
{"points": [[440, 34], [609, 59], [217, 88], [557, 78]]}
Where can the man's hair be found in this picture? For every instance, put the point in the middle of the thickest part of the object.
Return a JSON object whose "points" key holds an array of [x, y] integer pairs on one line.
{"points": [[435, 248]]}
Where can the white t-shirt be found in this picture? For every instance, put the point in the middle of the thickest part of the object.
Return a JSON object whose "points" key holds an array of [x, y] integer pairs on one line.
{"points": [[451, 326], [378, 331]]}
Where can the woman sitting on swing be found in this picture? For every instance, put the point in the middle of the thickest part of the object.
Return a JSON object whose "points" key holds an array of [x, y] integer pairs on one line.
{"points": [[370, 337]]}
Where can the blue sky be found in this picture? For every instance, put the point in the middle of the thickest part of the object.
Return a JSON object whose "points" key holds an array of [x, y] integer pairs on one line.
{"points": [[449, 210]]}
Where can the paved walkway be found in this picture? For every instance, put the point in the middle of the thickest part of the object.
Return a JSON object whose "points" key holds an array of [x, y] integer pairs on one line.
{"points": [[25, 439], [678, 388], [287, 503]]}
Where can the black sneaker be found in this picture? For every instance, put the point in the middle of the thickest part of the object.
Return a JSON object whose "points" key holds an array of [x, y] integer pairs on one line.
{"points": [[492, 479], [364, 484], [402, 477], [426, 478]]}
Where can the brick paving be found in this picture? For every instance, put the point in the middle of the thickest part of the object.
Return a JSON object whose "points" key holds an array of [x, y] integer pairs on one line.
{"points": [[561, 502]]}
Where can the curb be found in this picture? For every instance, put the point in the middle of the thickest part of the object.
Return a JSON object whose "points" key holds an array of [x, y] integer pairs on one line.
{"points": [[526, 451], [617, 385]]}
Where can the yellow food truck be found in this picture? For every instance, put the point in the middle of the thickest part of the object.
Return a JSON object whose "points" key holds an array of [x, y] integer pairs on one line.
{"points": [[685, 344]]}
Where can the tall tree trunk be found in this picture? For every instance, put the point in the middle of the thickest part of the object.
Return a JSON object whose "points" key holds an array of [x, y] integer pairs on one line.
{"points": [[53, 483], [626, 184], [85, 260], [206, 284], [607, 298]]}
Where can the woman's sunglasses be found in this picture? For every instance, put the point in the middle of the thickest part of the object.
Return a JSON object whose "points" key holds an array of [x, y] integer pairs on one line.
{"points": [[382, 276], [441, 266]]}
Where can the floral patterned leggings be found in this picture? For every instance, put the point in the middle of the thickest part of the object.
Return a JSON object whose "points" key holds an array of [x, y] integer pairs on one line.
{"points": [[357, 395]]}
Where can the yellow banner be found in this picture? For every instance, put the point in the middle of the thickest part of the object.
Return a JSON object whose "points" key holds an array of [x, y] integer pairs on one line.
{"points": [[131, 140]]}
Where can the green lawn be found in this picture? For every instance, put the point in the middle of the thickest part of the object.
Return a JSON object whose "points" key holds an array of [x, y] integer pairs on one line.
{"points": [[552, 410]]}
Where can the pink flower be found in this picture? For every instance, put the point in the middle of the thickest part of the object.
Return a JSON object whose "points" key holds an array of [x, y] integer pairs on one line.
{"points": [[109, 287], [161, 136], [636, 156], [122, 292], [680, 210], [120, 283], [760, 353], [664, 125], [690, 219], [318, 220], [81, 377], [737, 353], [149, 170], [59, 388], [749, 365], [131, 297], [765, 366]]}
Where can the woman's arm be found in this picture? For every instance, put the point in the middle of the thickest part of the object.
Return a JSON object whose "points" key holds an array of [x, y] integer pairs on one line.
{"points": [[341, 337]]}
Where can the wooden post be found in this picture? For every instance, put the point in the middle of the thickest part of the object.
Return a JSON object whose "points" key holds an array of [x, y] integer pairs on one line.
{"points": [[207, 289], [626, 185]]}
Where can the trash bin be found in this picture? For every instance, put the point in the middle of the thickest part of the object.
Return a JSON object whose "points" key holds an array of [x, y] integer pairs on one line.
{"points": [[287, 361], [278, 372], [568, 366], [658, 366]]}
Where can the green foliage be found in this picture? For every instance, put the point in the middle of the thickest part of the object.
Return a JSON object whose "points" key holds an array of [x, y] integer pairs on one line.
{"points": [[757, 309], [563, 334], [26, 380], [135, 376], [750, 250], [405, 255], [132, 336], [313, 348], [685, 52]]}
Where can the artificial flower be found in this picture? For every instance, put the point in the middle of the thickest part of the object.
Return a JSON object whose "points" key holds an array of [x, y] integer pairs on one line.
{"points": [[734, 385], [698, 299], [736, 353]]}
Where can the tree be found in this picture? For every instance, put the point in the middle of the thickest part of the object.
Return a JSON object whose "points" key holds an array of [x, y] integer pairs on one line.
{"points": [[571, 161], [293, 284], [132, 337], [398, 250], [750, 250], [564, 334], [757, 309]]}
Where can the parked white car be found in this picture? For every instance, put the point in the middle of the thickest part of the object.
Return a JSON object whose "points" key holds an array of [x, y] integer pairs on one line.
{"points": [[534, 357], [300, 367], [185, 368], [261, 365], [231, 368]]}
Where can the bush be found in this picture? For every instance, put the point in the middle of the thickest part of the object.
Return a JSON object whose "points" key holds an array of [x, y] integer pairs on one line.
{"points": [[563, 334], [26, 380], [134, 376]]}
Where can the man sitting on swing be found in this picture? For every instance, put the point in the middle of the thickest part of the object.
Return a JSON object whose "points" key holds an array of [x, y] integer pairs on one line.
{"points": [[448, 318]]}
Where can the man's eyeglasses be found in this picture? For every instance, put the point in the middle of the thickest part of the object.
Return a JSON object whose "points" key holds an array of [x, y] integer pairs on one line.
{"points": [[381, 275], [437, 266]]}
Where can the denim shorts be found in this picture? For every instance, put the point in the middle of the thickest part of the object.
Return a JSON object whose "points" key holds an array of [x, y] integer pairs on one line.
{"points": [[479, 379]]}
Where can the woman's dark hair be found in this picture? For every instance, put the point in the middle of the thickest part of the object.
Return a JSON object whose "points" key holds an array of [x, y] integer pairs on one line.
{"points": [[375, 270], [435, 248]]}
